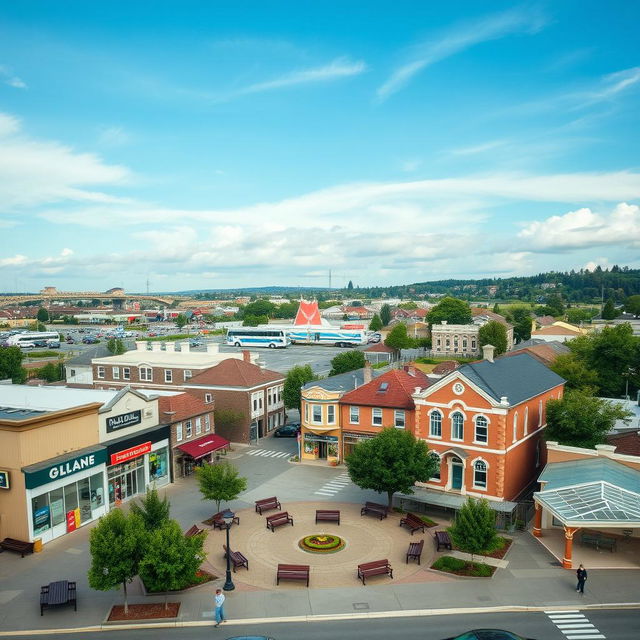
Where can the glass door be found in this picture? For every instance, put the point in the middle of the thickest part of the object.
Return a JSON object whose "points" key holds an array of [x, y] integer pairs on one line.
{"points": [[456, 474]]}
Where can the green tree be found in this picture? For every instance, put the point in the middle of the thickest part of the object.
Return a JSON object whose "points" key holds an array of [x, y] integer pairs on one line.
{"points": [[520, 318], [286, 310], [220, 482], [408, 306], [452, 310], [575, 372], [496, 308], [171, 560], [398, 338], [376, 323], [51, 372], [576, 316], [254, 321], [117, 545], [347, 361], [120, 347], [350, 286], [581, 420], [227, 420], [494, 333], [181, 320], [259, 308], [385, 314], [391, 461], [153, 511], [609, 311], [296, 378], [42, 315], [474, 530], [11, 365], [554, 305], [111, 345], [632, 305]]}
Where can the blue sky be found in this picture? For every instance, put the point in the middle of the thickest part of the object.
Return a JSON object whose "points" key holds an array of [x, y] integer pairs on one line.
{"points": [[210, 144]]}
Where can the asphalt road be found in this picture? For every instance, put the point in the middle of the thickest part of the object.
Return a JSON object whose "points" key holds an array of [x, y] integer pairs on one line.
{"points": [[610, 624]]}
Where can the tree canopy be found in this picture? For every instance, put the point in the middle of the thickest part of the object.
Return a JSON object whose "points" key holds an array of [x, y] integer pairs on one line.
{"points": [[376, 323], [259, 308], [575, 372], [347, 361], [493, 333], [181, 320], [385, 314], [296, 378], [11, 365], [153, 511], [474, 530], [116, 346], [632, 305], [220, 482], [581, 420], [609, 311], [520, 317], [452, 310], [398, 338], [42, 315], [391, 461]]}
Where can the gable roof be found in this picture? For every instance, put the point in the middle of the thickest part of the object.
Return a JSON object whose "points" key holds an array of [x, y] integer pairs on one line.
{"points": [[342, 382], [308, 313], [518, 377], [380, 347], [545, 352], [180, 407], [235, 373], [400, 385], [555, 330], [479, 312]]}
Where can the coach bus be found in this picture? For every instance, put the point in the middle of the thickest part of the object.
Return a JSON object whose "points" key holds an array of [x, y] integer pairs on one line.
{"points": [[261, 336], [28, 338]]}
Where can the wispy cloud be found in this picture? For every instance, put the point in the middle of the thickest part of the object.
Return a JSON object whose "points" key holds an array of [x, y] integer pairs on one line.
{"points": [[7, 76], [113, 136], [479, 148], [429, 52]]}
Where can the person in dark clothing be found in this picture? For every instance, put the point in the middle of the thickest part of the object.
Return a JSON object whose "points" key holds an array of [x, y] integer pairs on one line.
{"points": [[581, 573]]}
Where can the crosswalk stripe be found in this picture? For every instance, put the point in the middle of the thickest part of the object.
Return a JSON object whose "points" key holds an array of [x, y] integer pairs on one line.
{"points": [[562, 616], [598, 636], [324, 493], [559, 613], [576, 625]]}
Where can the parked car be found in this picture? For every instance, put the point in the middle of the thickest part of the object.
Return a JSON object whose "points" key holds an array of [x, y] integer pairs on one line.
{"points": [[89, 340], [40, 343], [27, 345], [53, 344], [70, 340], [194, 342], [488, 634], [374, 337], [287, 431]]}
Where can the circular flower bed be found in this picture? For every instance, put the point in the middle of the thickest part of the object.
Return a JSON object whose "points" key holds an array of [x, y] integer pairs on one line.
{"points": [[322, 543]]}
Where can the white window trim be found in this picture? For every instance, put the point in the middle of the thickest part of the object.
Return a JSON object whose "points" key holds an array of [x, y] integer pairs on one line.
{"points": [[373, 410], [126, 373], [198, 425], [354, 411], [403, 414], [188, 428], [437, 478], [331, 414], [187, 375], [315, 407], [451, 416], [100, 372], [540, 412], [207, 423], [486, 472], [168, 375], [515, 426], [475, 430], [115, 373], [179, 432], [208, 397], [526, 420], [146, 374], [431, 434]]}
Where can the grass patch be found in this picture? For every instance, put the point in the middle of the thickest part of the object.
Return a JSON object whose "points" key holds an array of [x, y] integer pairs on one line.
{"points": [[44, 354], [379, 365], [499, 550], [175, 336], [463, 567]]}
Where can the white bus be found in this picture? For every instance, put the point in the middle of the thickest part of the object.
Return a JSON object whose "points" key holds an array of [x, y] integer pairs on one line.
{"points": [[258, 337], [29, 337]]}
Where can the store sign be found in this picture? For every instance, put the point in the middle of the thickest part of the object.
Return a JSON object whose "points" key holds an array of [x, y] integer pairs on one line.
{"points": [[44, 475], [123, 420], [71, 521], [41, 518], [72, 466], [130, 454], [4, 480]]}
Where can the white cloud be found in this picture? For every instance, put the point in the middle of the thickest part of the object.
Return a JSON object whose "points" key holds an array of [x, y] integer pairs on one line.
{"points": [[583, 228], [603, 263], [8, 125], [113, 136], [479, 148], [457, 40], [10, 79], [66, 252]]}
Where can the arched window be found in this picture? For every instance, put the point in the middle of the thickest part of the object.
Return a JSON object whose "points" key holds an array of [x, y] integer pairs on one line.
{"points": [[480, 474], [515, 426], [436, 472], [540, 413], [482, 430], [526, 420], [457, 426], [436, 424]]}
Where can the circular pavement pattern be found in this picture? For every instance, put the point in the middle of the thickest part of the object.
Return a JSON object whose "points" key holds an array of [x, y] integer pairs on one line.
{"points": [[367, 539]]}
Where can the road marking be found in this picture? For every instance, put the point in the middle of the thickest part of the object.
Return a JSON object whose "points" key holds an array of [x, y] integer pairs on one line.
{"points": [[574, 625], [265, 453], [331, 487]]}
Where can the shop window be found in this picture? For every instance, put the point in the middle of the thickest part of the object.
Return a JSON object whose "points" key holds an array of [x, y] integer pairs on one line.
{"points": [[115, 372], [100, 372], [316, 413], [480, 474], [56, 502], [168, 375], [435, 424], [331, 414], [482, 430], [41, 513], [96, 484], [126, 373], [84, 500], [207, 423], [70, 497], [146, 374], [198, 426], [179, 432], [399, 419], [376, 417], [158, 466], [457, 426], [188, 428], [354, 415]]}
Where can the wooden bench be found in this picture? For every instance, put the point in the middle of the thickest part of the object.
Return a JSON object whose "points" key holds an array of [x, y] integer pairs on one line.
{"points": [[58, 593], [442, 539], [415, 551], [413, 522], [278, 519], [236, 558], [327, 515], [194, 531], [17, 545], [599, 541], [266, 504], [218, 520], [293, 572], [379, 567], [375, 508]]}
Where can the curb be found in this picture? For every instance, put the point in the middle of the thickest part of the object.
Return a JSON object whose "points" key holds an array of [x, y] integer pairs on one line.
{"points": [[413, 613]]}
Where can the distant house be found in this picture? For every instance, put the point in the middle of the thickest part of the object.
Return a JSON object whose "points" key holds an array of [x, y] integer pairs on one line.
{"points": [[380, 352], [556, 333], [545, 352]]}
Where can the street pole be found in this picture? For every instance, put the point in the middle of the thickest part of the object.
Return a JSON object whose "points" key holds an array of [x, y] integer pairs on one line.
{"points": [[228, 585]]}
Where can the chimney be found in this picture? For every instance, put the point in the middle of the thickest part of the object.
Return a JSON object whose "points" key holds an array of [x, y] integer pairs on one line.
{"points": [[504, 401], [368, 372], [487, 352], [213, 347], [184, 347], [246, 355], [606, 450], [411, 370], [417, 390], [443, 322], [156, 346], [141, 345], [170, 347]]}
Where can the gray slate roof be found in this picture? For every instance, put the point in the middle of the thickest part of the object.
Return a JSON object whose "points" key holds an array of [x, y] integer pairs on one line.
{"points": [[518, 377], [559, 347], [99, 351], [342, 382], [562, 474]]}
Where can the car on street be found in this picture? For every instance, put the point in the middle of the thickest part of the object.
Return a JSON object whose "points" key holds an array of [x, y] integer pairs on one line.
{"points": [[287, 431], [89, 340], [70, 341], [40, 343], [27, 345], [488, 634], [53, 344], [374, 337], [194, 342]]}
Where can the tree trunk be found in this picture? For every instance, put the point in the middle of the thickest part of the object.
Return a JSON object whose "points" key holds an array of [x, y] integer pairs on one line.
{"points": [[126, 604], [390, 495]]}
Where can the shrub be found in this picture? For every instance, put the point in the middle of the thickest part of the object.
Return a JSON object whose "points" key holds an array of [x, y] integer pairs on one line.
{"points": [[447, 563]]}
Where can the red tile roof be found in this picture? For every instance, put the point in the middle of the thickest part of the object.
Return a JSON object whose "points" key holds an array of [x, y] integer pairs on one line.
{"points": [[555, 330], [236, 373], [181, 407], [545, 321], [541, 352], [380, 347], [445, 367], [479, 311], [626, 443], [400, 386]]}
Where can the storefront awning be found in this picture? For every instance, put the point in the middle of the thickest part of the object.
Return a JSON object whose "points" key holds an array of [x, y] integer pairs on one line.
{"points": [[202, 446]]}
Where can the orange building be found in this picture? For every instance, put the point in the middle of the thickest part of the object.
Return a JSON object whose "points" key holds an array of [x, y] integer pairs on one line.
{"points": [[485, 422]]}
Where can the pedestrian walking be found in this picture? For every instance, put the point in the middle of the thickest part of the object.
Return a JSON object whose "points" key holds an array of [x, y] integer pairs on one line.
{"points": [[219, 600], [581, 573]]}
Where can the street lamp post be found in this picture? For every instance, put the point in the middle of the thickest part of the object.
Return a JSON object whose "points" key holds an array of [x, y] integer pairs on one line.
{"points": [[228, 516]]}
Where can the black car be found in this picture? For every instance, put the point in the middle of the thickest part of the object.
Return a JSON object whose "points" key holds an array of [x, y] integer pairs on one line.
{"points": [[287, 430], [488, 634], [40, 343]]}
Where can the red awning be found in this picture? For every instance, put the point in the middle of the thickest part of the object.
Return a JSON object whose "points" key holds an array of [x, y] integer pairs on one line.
{"points": [[202, 446]]}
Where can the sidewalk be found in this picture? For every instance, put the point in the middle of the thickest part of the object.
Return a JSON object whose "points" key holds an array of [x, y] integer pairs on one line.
{"points": [[532, 579]]}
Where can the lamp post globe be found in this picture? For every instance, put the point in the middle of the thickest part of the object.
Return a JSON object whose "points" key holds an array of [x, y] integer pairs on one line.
{"points": [[228, 516]]}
